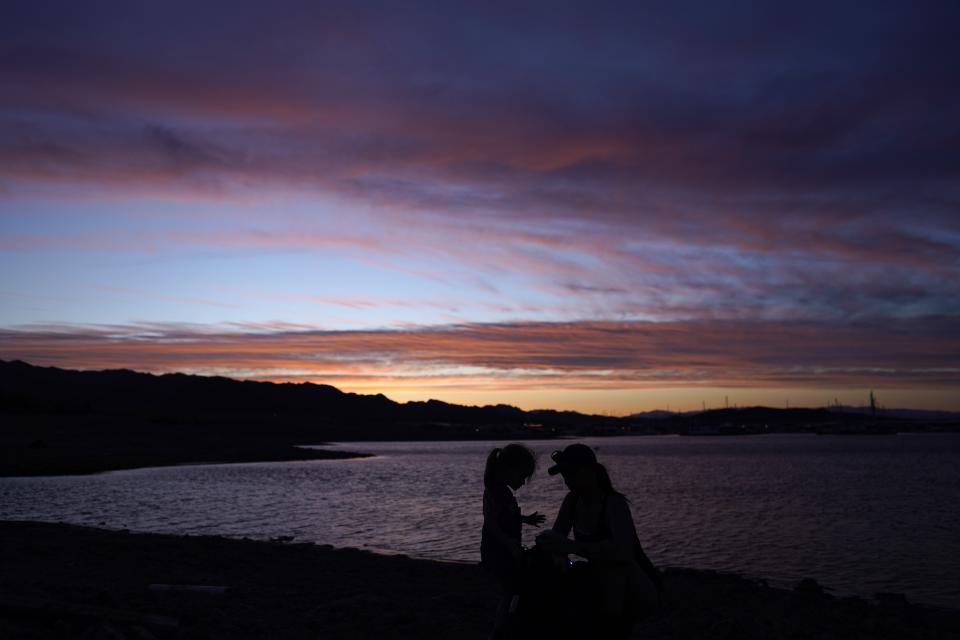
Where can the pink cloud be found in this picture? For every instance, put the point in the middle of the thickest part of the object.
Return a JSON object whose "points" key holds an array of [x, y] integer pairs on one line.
{"points": [[610, 189], [601, 355]]}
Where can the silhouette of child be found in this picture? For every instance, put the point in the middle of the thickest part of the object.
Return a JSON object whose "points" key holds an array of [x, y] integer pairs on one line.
{"points": [[501, 552]]}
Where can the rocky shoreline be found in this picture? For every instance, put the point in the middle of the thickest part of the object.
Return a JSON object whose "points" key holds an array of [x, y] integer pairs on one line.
{"points": [[64, 581]]}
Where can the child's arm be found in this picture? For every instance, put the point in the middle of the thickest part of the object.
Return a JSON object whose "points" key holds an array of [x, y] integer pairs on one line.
{"points": [[536, 519]]}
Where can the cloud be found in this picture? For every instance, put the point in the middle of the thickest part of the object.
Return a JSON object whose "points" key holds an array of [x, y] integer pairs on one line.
{"points": [[586, 269], [442, 110], [717, 169], [602, 355]]}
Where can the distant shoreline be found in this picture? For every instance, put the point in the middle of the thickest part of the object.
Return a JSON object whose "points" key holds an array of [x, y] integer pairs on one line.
{"points": [[65, 580], [67, 455], [80, 455]]}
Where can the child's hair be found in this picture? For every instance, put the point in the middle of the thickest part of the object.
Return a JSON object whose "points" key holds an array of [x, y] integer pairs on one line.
{"points": [[512, 455]]}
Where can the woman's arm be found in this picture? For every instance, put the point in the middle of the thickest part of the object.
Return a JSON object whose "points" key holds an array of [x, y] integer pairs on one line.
{"points": [[620, 547], [564, 521], [555, 539]]}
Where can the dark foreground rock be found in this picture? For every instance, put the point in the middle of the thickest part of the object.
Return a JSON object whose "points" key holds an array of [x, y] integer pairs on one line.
{"points": [[60, 581]]}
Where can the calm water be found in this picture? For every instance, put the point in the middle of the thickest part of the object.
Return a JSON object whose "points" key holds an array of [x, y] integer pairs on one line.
{"points": [[859, 514]]}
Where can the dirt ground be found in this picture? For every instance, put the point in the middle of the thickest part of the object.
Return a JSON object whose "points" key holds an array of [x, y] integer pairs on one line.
{"points": [[61, 581]]}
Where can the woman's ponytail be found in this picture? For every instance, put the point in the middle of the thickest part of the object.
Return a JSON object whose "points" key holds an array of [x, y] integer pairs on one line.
{"points": [[603, 480]]}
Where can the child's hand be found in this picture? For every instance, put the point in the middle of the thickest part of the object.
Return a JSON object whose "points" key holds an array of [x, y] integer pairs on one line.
{"points": [[536, 519]]}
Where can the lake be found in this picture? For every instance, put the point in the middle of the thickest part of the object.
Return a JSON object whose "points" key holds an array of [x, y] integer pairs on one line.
{"points": [[860, 514]]}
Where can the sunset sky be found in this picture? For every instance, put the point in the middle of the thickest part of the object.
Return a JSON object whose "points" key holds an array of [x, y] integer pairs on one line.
{"points": [[601, 206]]}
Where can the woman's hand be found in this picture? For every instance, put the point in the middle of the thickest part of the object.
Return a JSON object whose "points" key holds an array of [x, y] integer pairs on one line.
{"points": [[553, 542], [536, 519]]}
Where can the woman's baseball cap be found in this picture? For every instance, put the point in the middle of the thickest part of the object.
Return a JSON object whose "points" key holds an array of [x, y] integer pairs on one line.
{"points": [[575, 456]]}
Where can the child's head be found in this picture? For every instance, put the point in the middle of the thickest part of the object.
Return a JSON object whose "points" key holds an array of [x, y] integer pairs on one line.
{"points": [[512, 465]]}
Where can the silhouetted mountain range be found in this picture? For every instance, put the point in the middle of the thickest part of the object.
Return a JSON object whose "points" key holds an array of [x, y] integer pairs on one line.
{"points": [[825, 413], [179, 398], [58, 421], [307, 408], [906, 414]]}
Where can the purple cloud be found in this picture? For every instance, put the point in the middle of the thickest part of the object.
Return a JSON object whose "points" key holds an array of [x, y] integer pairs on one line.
{"points": [[722, 166]]}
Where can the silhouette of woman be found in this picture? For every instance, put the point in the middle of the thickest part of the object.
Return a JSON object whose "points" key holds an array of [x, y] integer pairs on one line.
{"points": [[617, 581]]}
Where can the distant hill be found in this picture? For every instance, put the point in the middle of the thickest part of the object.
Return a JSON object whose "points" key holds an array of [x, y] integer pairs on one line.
{"points": [[907, 414], [748, 420], [59, 421], [129, 398], [656, 414], [178, 398], [778, 415]]}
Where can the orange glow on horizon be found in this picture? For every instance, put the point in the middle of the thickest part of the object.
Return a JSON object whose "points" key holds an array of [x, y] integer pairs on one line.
{"points": [[615, 367]]}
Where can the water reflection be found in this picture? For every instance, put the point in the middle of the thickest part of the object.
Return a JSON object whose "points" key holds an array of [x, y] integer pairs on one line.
{"points": [[859, 514]]}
